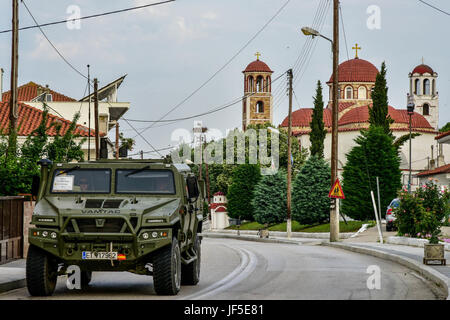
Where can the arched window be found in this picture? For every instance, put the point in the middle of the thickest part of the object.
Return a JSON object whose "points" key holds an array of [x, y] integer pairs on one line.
{"points": [[259, 107], [426, 109], [259, 83], [362, 93], [268, 84], [250, 84], [426, 87], [417, 87], [349, 93], [433, 87]]}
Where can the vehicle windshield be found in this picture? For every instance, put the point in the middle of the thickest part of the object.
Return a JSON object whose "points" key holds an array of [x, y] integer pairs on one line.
{"points": [[145, 181], [81, 181]]}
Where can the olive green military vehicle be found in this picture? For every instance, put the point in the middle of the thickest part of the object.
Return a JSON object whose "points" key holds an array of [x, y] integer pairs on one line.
{"points": [[115, 215]]}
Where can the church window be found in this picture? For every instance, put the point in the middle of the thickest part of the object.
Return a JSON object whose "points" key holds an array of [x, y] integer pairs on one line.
{"points": [[349, 93], [433, 87], [417, 87], [362, 92], [259, 107], [426, 86], [250, 84], [259, 84], [267, 84], [426, 110]]}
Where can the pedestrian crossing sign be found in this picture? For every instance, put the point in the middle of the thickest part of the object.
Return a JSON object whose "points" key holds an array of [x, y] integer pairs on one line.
{"points": [[336, 191]]}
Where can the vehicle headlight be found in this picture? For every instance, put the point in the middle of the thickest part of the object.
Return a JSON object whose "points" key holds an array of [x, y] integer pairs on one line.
{"points": [[45, 234], [154, 234], [145, 235], [53, 235]]}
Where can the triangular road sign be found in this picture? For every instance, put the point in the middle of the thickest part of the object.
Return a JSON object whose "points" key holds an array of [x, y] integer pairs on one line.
{"points": [[336, 191]]}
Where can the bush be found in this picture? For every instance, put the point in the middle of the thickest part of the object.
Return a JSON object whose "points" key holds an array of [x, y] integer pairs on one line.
{"points": [[310, 202], [422, 213], [270, 199], [240, 192]]}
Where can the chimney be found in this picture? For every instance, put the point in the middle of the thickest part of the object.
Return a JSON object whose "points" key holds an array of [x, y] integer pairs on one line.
{"points": [[1, 84]]}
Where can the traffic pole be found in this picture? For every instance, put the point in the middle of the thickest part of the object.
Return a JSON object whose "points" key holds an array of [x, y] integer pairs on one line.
{"points": [[289, 165]]}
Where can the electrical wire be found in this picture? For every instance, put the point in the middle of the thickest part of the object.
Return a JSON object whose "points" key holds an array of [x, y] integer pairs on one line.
{"points": [[434, 7], [89, 17], [343, 29]]}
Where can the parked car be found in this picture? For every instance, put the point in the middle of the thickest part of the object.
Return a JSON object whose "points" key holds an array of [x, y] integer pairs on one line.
{"points": [[390, 216]]}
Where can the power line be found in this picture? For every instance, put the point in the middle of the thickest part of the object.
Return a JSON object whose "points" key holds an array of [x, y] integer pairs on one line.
{"points": [[143, 138], [436, 8], [57, 51], [343, 29], [91, 16], [223, 67]]}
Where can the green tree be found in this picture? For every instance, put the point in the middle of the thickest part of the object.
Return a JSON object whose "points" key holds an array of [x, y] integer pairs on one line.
{"points": [[310, 202], [379, 112], [240, 192], [445, 128], [374, 155], [318, 132], [270, 199]]}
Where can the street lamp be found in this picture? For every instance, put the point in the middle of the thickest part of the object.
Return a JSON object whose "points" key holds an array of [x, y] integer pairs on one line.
{"points": [[410, 108], [334, 208]]}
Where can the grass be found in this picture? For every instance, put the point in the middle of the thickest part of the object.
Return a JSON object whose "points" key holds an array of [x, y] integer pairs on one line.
{"points": [[351, 226]]}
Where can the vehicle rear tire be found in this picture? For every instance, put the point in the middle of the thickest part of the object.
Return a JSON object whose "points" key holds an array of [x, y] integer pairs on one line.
{"points": [[86, 277], [41, 272], [167, 270], [190, 274]]}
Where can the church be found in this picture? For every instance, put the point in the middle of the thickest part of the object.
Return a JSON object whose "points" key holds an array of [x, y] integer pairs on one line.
{"points": [[356, 82]]}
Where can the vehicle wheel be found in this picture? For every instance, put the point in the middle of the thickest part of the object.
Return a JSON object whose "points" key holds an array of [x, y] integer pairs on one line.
{"points": [[388, 228], [86, 277], [190, 274], [41, 272], [167, 270]]}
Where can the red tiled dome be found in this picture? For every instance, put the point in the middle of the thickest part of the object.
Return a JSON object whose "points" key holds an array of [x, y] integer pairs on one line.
{"points": [[257, 66], [423, 68], [356, 70], [361, 115], [302, 118]]}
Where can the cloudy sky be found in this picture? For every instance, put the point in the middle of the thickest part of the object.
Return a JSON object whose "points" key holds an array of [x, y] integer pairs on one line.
{"points": [[170, 50]]}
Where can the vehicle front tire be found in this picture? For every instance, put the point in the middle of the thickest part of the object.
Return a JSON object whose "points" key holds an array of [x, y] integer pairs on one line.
{"points": [[167, 270], [41, 272], [190, 274]]}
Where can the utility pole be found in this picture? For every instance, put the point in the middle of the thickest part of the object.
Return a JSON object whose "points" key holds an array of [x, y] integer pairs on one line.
{"points": [[13, 105], [117, 140], [334, 214], [97, 137], [289, 155], [89, 115], [142, 155]]}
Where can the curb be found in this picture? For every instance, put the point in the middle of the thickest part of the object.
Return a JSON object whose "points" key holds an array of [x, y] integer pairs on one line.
{"points": [[11, 285], [413, 242], [312, 235], [248, 238], [427, 272]]}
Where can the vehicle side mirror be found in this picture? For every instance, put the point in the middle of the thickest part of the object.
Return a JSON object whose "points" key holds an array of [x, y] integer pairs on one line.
{"points": [[35, 185], [192, 187]]}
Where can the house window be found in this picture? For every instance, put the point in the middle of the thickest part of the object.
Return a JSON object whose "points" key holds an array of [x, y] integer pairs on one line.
{"points": [[259, 107], [362, 93], [426, 109], [426, 87], [349, 93]]}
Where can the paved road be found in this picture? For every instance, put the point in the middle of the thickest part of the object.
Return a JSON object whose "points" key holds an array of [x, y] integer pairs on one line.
{"points": [[237, 270]]}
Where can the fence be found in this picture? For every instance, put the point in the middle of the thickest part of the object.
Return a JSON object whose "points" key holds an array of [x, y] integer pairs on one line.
{"points": [[11, 228]]}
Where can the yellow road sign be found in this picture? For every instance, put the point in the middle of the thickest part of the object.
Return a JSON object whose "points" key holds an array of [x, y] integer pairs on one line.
{"points": [[336, 191]]}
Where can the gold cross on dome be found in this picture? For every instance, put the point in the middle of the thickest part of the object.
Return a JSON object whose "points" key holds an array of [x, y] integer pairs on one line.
{"points": [[257, 54], [356, 48]]}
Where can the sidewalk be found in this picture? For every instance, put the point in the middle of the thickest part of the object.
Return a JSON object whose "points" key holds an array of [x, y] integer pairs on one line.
{"points": [[12, 275]]}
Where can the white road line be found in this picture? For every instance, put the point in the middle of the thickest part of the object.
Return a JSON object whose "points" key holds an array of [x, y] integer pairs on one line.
{"points": [[246, 267]]}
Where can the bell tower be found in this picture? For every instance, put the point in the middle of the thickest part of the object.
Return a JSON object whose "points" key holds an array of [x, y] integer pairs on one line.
{"points": [[257, 102], [422, 87]]}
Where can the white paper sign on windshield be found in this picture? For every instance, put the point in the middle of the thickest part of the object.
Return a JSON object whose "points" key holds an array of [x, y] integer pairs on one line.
{"points": [[63, 183]]}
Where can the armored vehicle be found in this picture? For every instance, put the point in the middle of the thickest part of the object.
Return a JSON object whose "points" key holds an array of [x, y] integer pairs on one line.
{"points": [[141, 216]]}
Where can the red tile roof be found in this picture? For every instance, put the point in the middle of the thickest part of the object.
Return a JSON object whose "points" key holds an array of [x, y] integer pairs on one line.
{"points": [[29, 91], [361, 114], [30, 118], [221, 209], [423, 68], [443, 169], [257, 66], [443, 134], [356, 70]]}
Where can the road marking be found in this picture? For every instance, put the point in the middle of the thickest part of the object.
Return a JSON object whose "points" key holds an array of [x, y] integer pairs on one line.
{"points": [[246, 267]]}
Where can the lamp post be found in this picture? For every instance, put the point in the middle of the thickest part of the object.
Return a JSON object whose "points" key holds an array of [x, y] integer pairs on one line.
{"points": [[334, 213], [410, 108]]}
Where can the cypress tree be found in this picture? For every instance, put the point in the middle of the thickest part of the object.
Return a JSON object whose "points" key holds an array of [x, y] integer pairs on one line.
{"points": [[379, 112], [318, 133]]}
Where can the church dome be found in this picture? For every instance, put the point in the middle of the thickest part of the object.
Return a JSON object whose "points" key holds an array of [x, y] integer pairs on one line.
{"points": [[257, 66], [356, 70], [423, 68]]}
